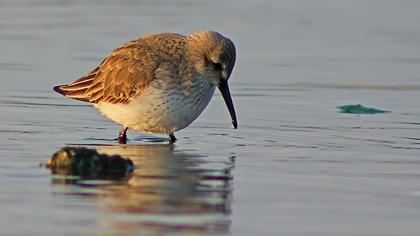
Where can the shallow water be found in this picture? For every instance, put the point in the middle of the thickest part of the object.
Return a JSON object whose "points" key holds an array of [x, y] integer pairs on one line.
{"points": [[295, 166]]}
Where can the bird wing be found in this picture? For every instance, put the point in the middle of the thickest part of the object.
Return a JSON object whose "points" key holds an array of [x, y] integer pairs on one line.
{"points": [[77, 89], [119, 78]]}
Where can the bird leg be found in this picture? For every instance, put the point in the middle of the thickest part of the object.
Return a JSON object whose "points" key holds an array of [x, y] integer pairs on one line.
{"points": [[172, 138], [122, 137]]}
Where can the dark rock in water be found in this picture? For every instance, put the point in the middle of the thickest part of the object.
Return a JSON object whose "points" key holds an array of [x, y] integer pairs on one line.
{"points": [[88, 163], [359, 109]]}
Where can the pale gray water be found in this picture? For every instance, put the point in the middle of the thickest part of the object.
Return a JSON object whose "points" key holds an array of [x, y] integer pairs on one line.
{"points": [[295, 166]]}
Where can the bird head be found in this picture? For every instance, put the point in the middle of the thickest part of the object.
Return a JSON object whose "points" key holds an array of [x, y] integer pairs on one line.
{"points": [[213, 56]]}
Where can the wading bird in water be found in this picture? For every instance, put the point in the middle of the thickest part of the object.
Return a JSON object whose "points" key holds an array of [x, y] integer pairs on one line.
{"points": [[159, 83]]}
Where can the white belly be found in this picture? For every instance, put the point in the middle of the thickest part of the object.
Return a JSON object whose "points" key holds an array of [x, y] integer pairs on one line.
{"points": [[159, 109]]}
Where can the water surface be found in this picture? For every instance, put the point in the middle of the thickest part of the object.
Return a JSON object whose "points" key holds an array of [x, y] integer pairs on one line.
{"points": [[295, 166]]}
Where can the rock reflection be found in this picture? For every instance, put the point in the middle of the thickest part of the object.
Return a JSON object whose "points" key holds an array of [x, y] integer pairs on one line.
{"points": [[169, 192]]}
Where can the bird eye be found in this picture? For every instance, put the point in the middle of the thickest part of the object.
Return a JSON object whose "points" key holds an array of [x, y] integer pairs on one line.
{"points": [[217, 66]]}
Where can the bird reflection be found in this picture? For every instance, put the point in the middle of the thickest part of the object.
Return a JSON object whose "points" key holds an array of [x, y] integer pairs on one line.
{"points": [[170, 191]]}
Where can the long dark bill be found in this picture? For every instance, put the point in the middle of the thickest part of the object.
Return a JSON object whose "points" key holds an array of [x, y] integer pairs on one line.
{"points": [[224, 89]]}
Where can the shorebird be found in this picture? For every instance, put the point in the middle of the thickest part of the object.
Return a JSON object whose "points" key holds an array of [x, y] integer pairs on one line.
{"points": [[159, 83]]}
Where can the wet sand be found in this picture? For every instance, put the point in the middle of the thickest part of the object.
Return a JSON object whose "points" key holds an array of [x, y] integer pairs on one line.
{"points": [[295, 166]]}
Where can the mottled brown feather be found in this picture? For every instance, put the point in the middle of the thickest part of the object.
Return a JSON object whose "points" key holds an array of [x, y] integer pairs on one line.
{"points": [[77, 89], [127, 70], [130, 68]]}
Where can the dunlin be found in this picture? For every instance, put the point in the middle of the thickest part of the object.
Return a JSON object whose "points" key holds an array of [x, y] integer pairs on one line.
{"points": [[159, 83]]}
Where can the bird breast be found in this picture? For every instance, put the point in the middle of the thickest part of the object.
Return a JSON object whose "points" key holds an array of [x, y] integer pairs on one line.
{"points": [[163, 106]]}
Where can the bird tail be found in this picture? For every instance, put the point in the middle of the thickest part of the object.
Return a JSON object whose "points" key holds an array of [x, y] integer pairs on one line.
{"points": [[78, 88]]}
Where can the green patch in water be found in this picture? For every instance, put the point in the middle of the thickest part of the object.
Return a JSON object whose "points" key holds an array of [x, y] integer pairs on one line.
{"points": [[360, 109]]}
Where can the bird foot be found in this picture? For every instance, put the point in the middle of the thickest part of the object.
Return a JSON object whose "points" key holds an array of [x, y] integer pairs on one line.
{"points": [[122, 137], [172, 138]]}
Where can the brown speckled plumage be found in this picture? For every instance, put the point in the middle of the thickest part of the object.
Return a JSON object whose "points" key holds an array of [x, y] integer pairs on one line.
{"points": [[171, 67]]}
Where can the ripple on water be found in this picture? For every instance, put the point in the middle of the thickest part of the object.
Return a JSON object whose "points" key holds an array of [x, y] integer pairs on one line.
{"points": [[169, 190], [16, 66]]}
